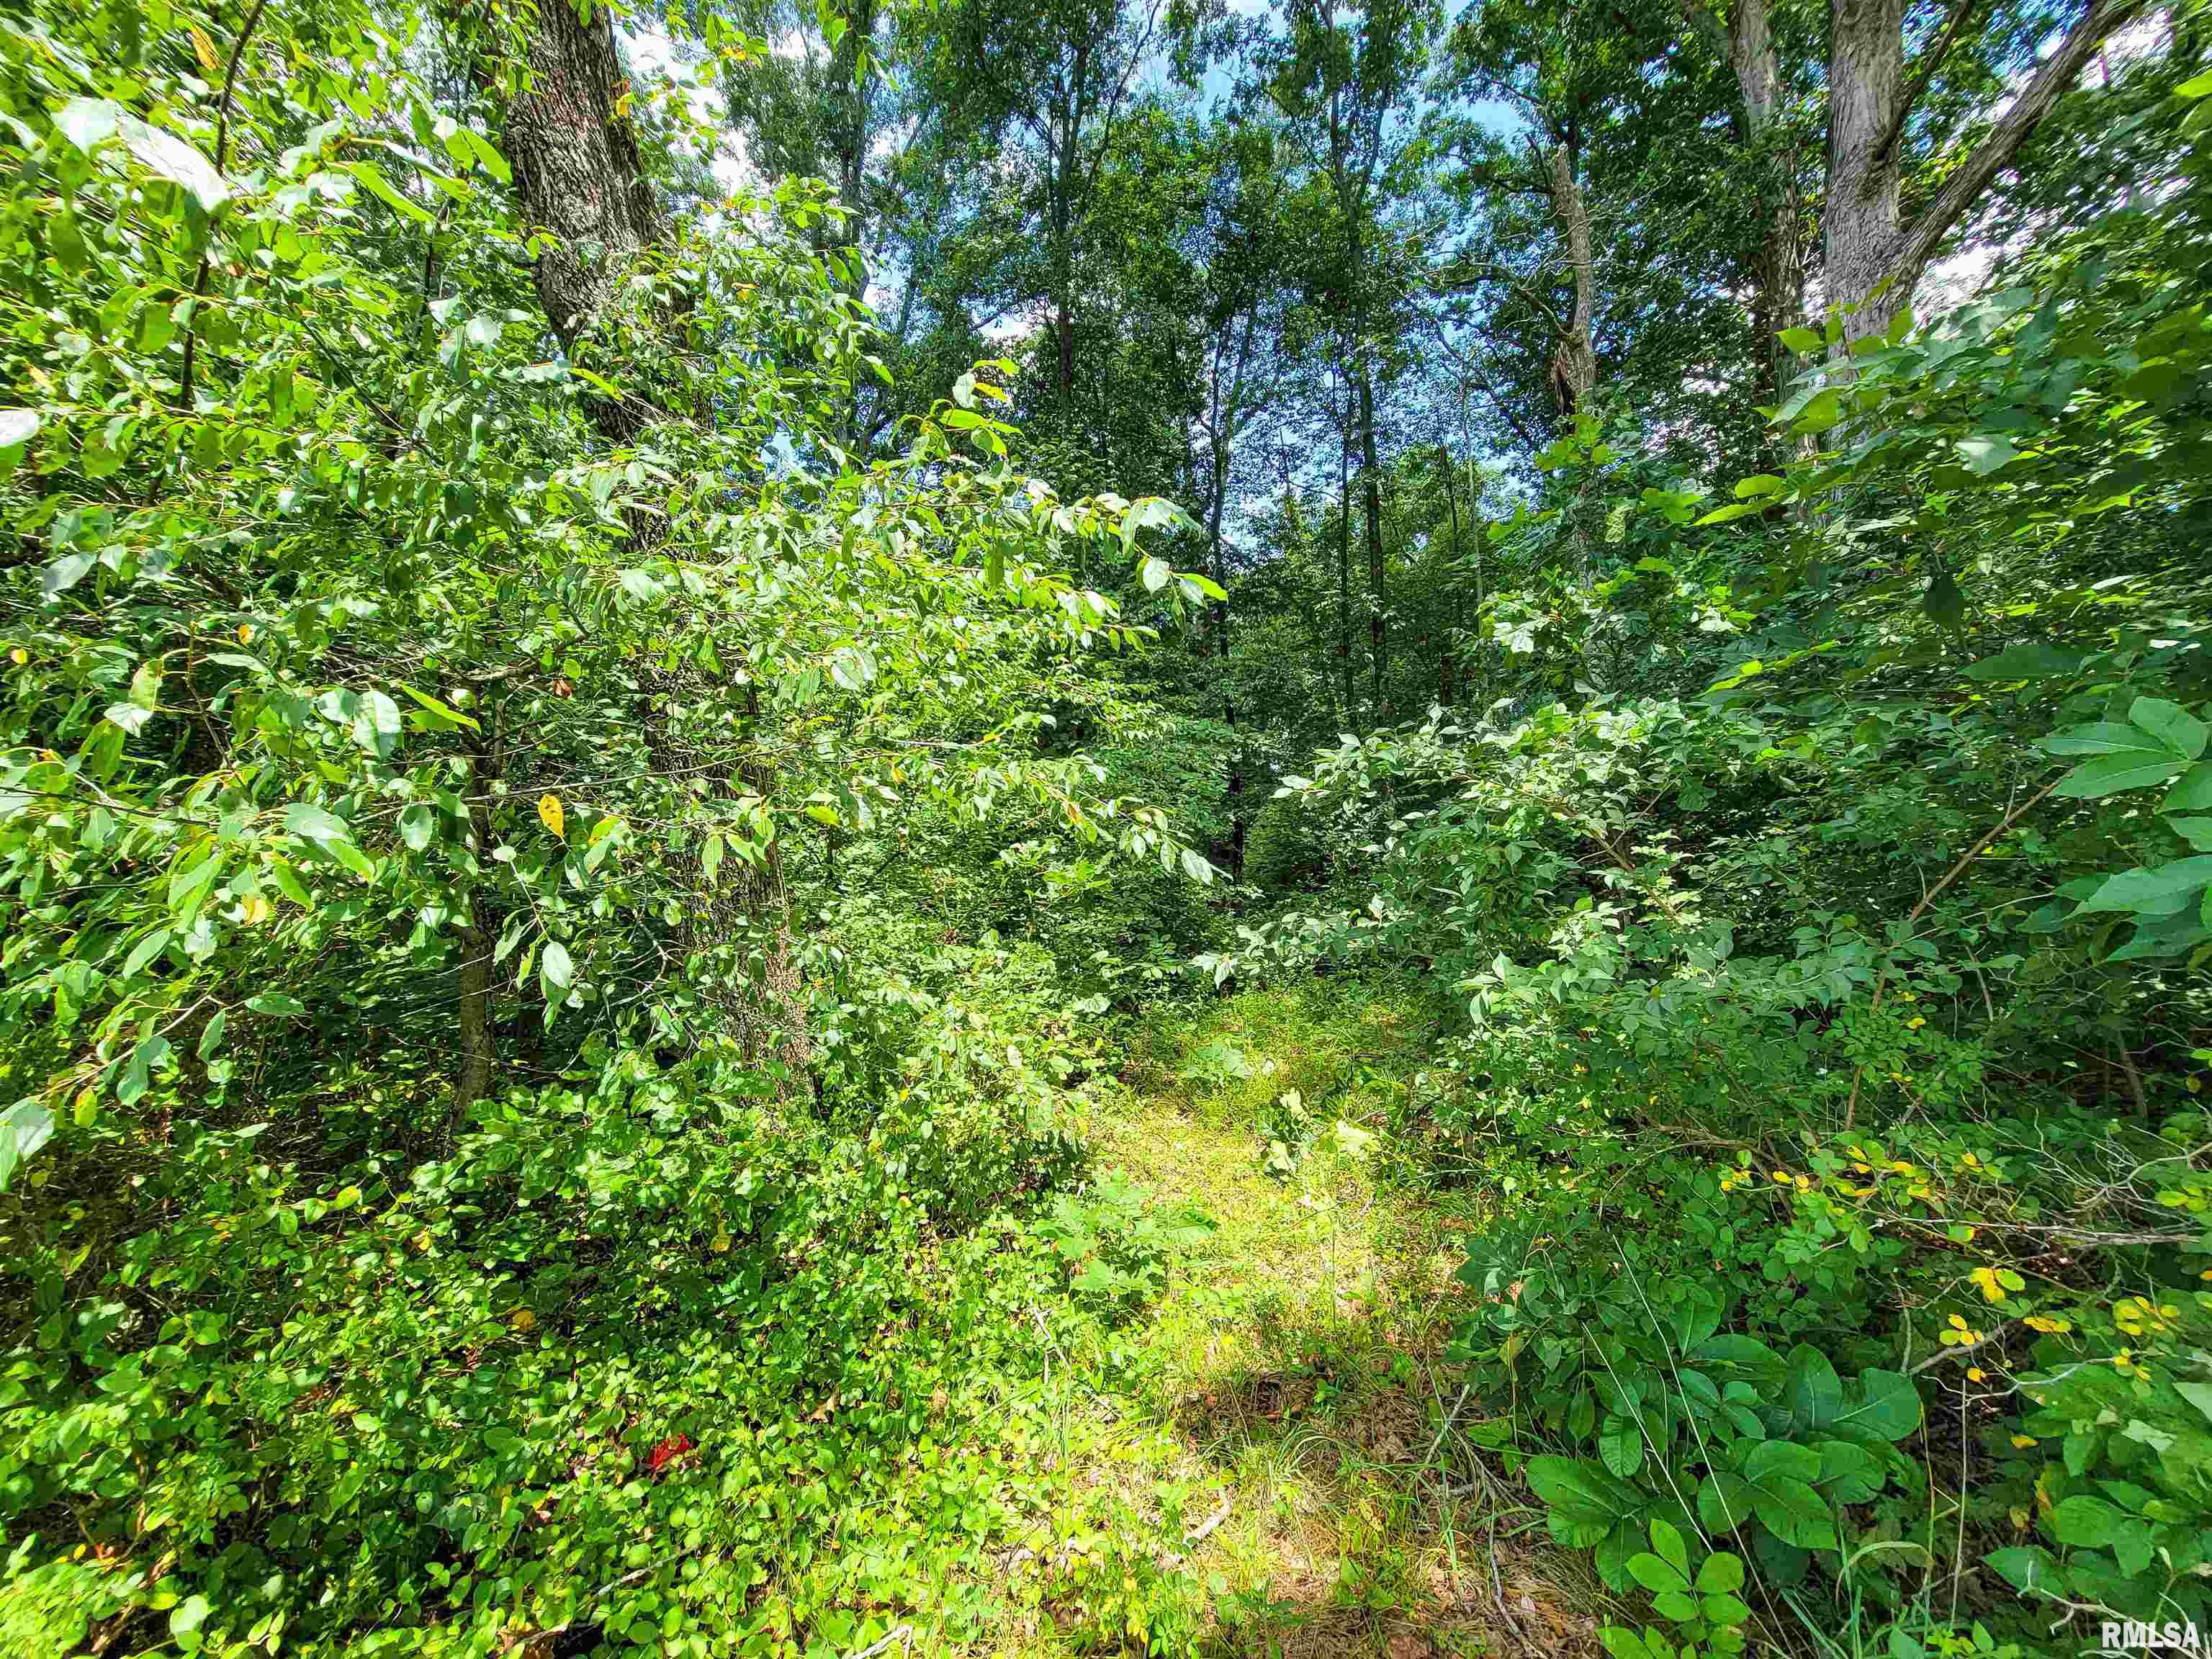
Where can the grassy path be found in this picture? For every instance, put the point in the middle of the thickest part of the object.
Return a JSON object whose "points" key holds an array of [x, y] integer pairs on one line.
{"points": [[1295, 1359]]}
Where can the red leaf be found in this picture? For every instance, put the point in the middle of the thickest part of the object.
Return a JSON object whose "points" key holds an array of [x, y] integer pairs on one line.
{"points": [[667, 1452]]}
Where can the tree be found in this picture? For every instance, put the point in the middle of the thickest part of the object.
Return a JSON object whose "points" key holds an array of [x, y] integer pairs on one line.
{"points": [[1874, 255], [1344, 83]]}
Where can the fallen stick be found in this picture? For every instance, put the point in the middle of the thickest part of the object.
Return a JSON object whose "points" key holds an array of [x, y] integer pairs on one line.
{"points": [[1206, 1526]]}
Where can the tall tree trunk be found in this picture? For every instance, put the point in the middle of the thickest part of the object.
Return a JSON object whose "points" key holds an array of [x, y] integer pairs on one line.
{"points": [[1875, 261], [1344, 564], [1448, 659], [1218, 565], [1779, 267], [579, 174], [1866, 87], [1574, 360], [1371, 476]]}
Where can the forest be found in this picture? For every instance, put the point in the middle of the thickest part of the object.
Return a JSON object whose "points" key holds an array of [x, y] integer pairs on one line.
{"points": [[839, 829]]}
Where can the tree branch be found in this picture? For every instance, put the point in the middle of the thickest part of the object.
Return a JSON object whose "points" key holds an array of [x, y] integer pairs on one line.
{"points": [[1964, 186], [1924, 72]]}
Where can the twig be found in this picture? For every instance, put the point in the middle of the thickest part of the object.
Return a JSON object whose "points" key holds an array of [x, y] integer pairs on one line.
{"points": [[1942, 1355], [221, 159], [1205, 1528], [1450, 1417], [903, 1634]]}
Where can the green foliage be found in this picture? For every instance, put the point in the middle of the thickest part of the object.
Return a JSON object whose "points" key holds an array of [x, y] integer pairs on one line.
{"points": [[1117, 1246]]}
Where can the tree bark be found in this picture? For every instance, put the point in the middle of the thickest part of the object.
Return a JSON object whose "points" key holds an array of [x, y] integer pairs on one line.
{"points": [[1779, 267], [1370, 474], [1574, 360], [579, 174], [1344, 564], [1447, 659], [1875, 261]]}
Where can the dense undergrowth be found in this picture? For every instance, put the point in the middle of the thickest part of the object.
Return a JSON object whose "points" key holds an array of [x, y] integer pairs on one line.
{"points": [[624, 1031]]}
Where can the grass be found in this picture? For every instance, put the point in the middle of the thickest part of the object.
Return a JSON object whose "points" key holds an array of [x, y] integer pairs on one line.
{"points": [[1289, 1385]]}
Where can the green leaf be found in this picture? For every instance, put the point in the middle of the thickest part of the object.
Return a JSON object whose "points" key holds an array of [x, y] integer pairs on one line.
{"points": [[1881, 1404], [2109, 774], [1794, 1513], [1148, 510], [443, 715], [376, 724], [1757, 487], [1824, 411], [24, 1128], [1667, 1539], [189, 1616], [2170, 723], [554, 966], [2029, 1569], [2105, 737], [1849, 1473], [1722, 1574], [305, 819], [1675, 1605], [2158, 891], [1945, 602], [2191, 791], [382, 188], [1725, 1501], [66, 572], [165, 154], [1620, 1447], [1655, 1575], [89, 122], [1742, 1353], [1733, 510], [1987, 452], [417, 825], [1581, 1489], [2082, 1521], [1813, 1390], [17, 426], [1157, 574], [1776, 1459], [2030, 659], [1803, 341], [277, 1005], [144, 951], [2198, 1394]]}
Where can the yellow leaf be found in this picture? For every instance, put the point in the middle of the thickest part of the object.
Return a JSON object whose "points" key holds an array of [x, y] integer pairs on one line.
{"points": [[548, 812], [256, 909], [1973, 1373], [19, 656], [246, 632], [204, 49], [2047, 1324], [1987, 1279], [721, 1238], [523, 1320], [2024, 1440]]}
